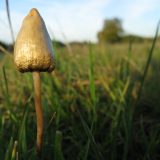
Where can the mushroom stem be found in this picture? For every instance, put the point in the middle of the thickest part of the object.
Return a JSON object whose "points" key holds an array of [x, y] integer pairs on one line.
{"points": [[39, 113]]}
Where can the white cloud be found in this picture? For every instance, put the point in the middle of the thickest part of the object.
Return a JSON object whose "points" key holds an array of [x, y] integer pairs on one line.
{"points": [[81, 20], [16, 18], [138, 8], [78, 20], [135, 19]]}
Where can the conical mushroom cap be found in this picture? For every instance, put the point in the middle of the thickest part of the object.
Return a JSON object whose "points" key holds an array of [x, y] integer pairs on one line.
{"points": [[33, 47]]}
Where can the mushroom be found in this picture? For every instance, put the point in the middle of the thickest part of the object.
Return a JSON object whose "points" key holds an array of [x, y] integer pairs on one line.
{"points": [[33, 53]]}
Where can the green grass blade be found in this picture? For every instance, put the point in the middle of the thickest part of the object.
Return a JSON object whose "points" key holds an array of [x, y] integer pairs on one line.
{"points": [[22, 132], [14, 151], [88, 132], [7, 96], [91, 80], [5, 80], [9, 150], [58, 154], [147, 63], [87, 149]]}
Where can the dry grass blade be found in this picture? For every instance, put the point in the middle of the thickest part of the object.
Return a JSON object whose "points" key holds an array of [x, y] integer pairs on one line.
{"points": [[3, 50], [9, 20]]}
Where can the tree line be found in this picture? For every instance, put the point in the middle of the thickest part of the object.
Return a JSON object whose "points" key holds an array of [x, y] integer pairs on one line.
{"points": [[113, 32]]}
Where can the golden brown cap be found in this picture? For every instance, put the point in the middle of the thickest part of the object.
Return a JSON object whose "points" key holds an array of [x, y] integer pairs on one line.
{"points": [[33, 47]]}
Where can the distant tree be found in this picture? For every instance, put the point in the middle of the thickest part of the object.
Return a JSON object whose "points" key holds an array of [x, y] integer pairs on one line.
{"points": [[59, 44], [111, 31]]}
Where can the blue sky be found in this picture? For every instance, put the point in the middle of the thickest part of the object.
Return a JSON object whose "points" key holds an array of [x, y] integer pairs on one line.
{"points": [[69, 20]]}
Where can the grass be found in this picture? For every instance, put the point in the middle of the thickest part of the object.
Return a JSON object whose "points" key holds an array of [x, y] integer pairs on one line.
{"points": [[101, 102]]}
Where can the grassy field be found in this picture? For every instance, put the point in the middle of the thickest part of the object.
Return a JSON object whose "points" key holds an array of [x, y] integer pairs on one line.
{"points": [[101, 102]]}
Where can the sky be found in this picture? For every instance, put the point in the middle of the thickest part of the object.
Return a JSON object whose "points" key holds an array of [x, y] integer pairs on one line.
{"points": [[80, 20]]}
